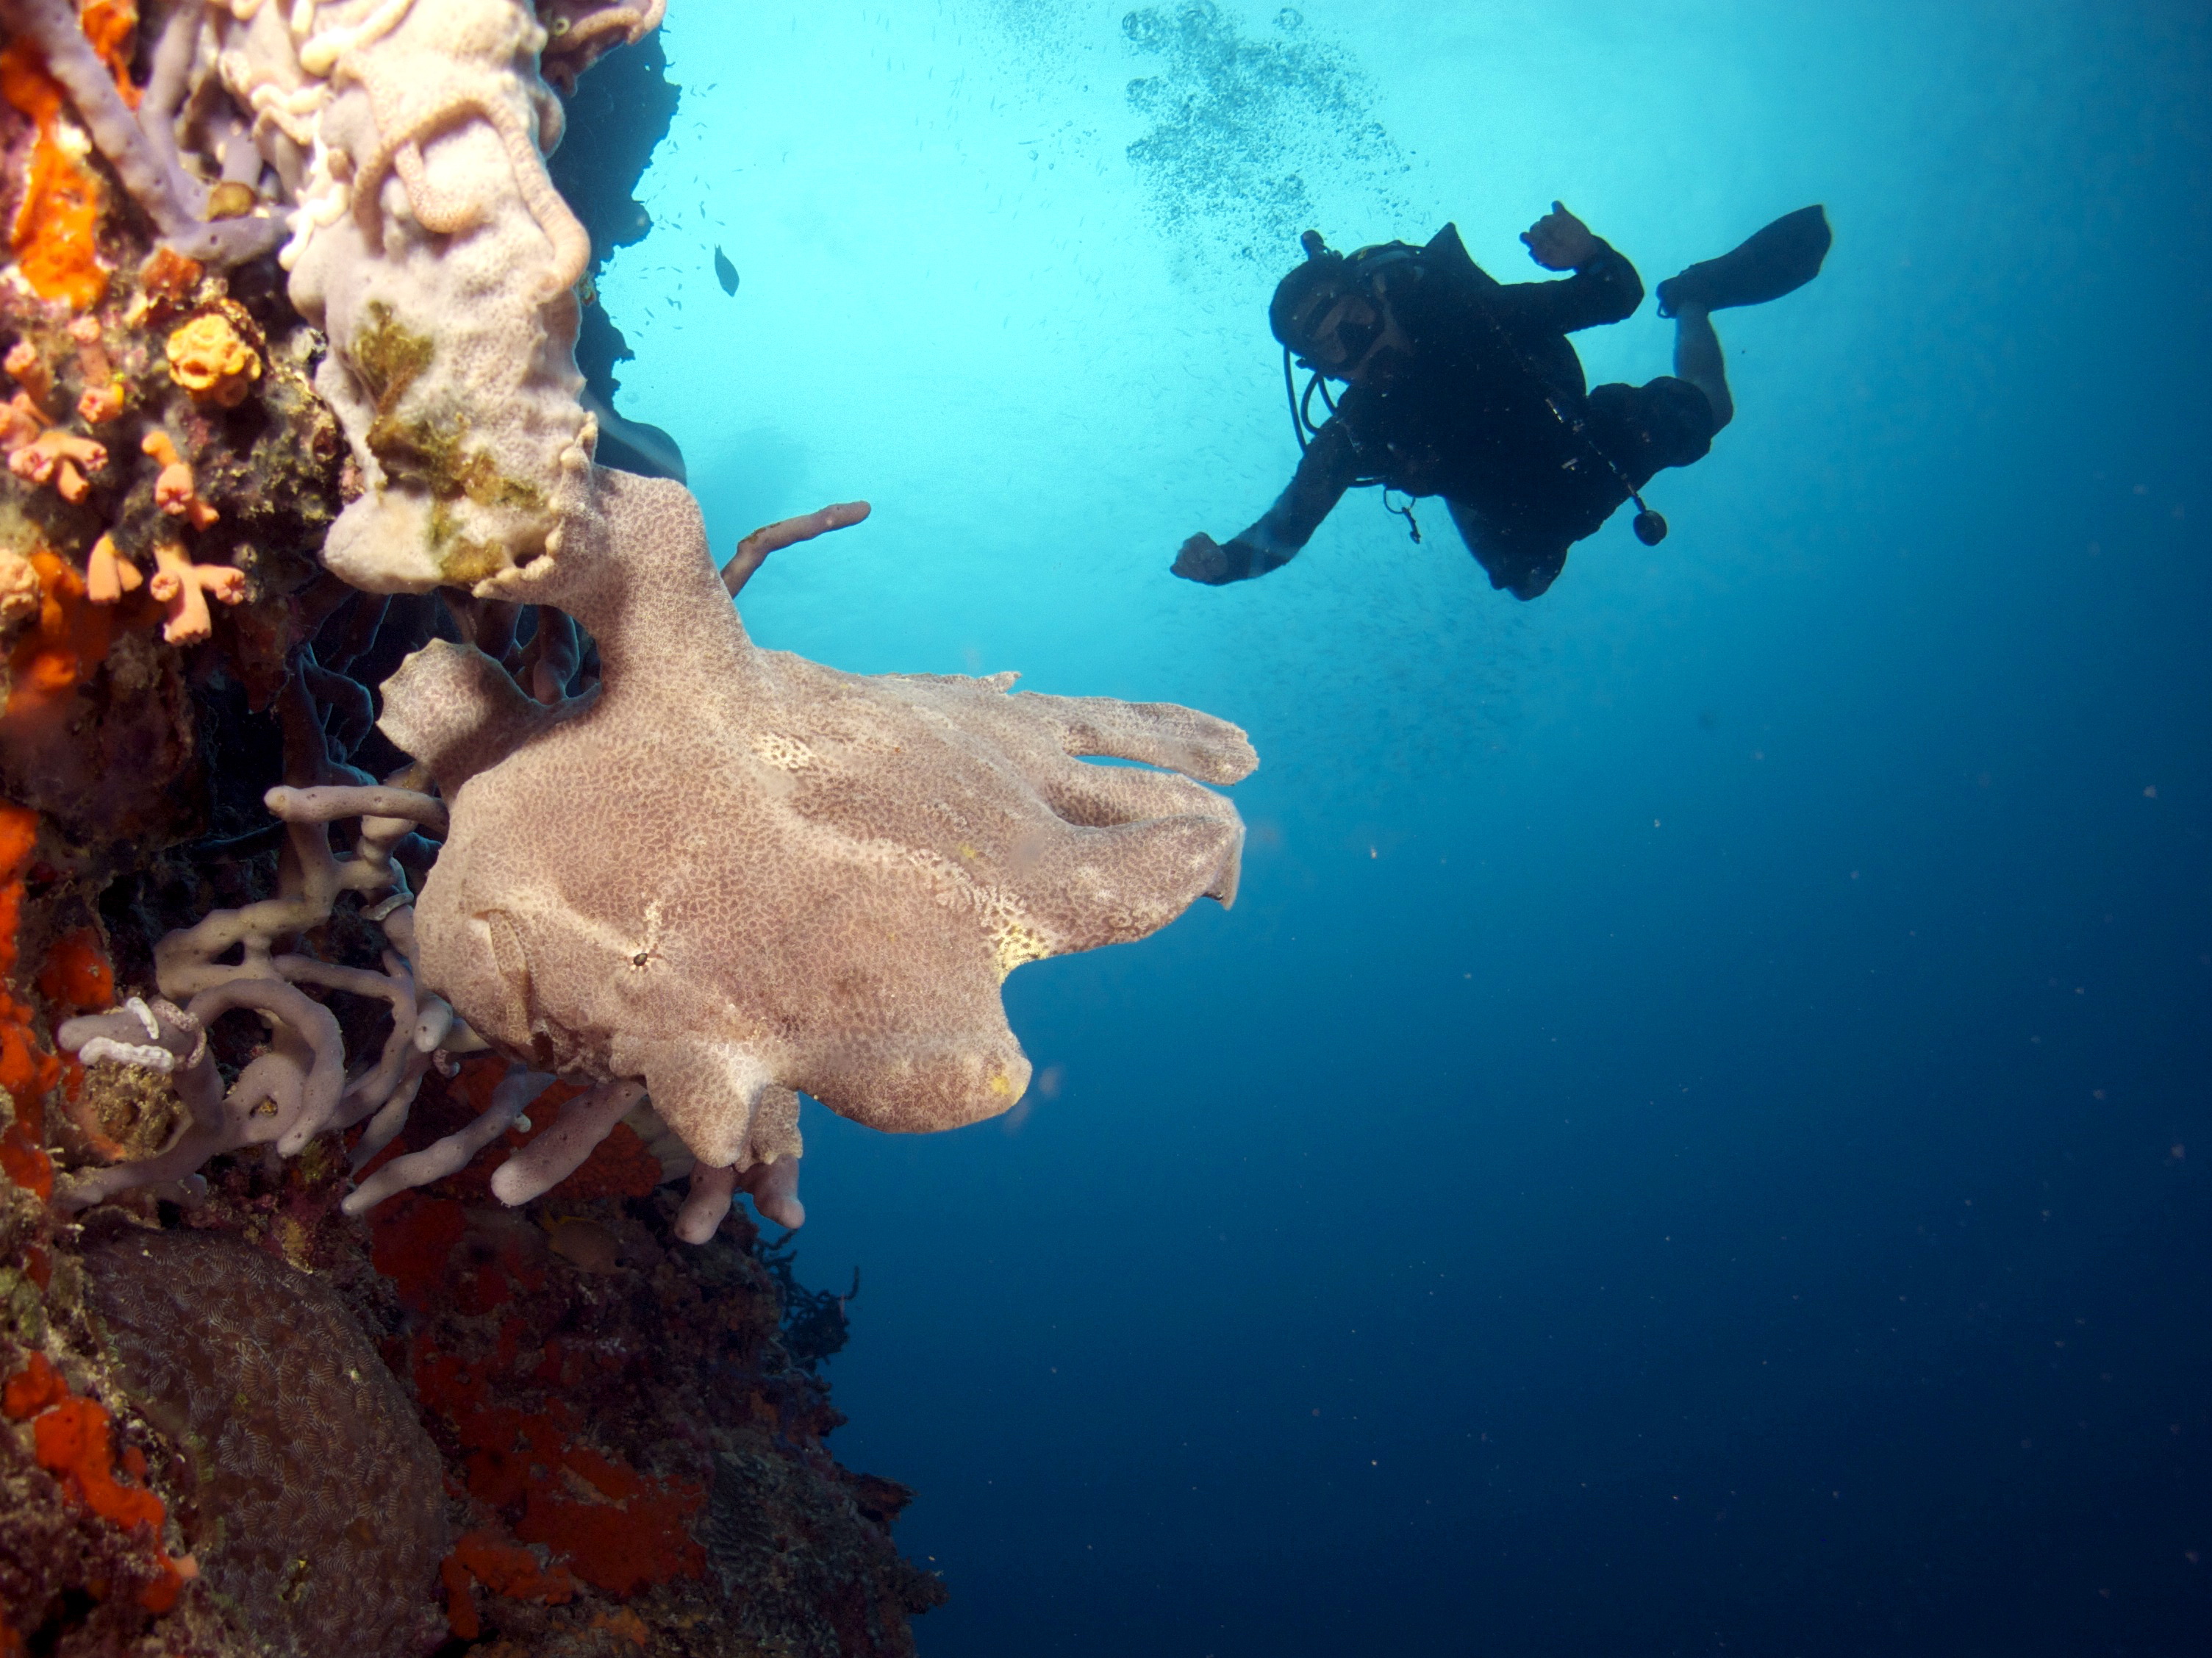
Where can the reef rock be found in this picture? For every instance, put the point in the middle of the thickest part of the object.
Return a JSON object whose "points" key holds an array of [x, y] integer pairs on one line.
{"points": [[733, 867], [321, 1500]]}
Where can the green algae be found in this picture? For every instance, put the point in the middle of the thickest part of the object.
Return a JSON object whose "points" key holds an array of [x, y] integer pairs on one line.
{"points": [[432, 449]]}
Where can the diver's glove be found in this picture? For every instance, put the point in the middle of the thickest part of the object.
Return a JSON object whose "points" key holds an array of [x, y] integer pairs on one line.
{"points": [[1203, 559]]}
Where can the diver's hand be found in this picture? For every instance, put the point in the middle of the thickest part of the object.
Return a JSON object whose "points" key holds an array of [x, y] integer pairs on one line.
{"points": [[1559, 240], [1203, 559]]}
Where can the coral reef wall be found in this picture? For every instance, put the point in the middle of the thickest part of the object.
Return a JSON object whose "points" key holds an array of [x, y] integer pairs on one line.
{"points": [[411, 869], [234, 1418]]}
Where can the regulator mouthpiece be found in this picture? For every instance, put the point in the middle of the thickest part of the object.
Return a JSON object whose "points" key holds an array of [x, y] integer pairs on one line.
{"points": [[1650, 528]]}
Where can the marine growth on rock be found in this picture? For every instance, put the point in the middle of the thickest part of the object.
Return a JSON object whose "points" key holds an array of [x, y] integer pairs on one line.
{"points": [[348, 1302]]}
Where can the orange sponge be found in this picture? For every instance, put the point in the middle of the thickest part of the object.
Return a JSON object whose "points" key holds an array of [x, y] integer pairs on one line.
{"points": [[56, 234], [506, 1568], [27, 1071], [77, 973], [74, 1441], [37, 1387]]}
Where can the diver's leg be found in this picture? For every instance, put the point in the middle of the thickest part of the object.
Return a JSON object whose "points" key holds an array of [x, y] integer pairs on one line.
{"points": [[1524, 566], [1698, 359]]}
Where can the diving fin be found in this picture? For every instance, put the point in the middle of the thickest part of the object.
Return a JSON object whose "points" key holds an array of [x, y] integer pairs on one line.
{"points": [[1777, 260]]}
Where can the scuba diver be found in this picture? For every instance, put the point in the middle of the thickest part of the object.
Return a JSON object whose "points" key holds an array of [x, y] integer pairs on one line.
{"points": [[1464, 386]]}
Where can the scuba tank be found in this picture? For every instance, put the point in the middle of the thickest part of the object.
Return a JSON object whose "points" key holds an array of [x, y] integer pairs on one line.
{"points": [[1359, 271]]}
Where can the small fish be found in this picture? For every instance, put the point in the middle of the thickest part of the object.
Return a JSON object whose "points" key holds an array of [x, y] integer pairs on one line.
{"points": [[585, 1243], [725, 273]]}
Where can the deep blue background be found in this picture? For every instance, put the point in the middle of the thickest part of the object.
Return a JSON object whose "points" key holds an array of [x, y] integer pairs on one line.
{"points": [[1693, 1139]]}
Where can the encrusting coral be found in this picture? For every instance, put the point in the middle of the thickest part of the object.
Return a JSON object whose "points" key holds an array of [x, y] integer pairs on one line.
{"points": [[293, 1430], [431, 247]]}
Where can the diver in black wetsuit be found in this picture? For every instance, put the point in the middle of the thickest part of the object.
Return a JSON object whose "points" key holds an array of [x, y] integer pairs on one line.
{"points": [[1466, 387]]}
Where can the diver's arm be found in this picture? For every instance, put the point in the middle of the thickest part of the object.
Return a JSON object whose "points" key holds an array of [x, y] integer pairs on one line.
{"points": [[1325, 472], [1604, 288]]}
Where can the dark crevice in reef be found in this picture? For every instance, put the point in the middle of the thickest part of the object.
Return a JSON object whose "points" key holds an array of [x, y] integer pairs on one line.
{"points": [[616, 116], [621, 109]]}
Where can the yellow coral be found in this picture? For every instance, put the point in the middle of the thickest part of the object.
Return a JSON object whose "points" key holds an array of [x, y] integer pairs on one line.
{"points": [[208, 360]]}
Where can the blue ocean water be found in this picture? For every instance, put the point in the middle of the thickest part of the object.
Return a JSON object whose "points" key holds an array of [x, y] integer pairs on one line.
{"points": [[1694, 1138]]}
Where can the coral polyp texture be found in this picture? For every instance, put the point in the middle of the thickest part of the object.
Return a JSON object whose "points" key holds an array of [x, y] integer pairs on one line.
{"points": [[843, 869], [410, 871], [331, 1492]]}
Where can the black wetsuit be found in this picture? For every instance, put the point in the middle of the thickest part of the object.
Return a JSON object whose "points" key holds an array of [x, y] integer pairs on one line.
{"points": [[1462, 413]]}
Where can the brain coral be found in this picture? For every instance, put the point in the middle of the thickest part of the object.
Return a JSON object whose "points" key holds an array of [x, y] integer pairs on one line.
{"points": [[737, 868], [319, 1497]]}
